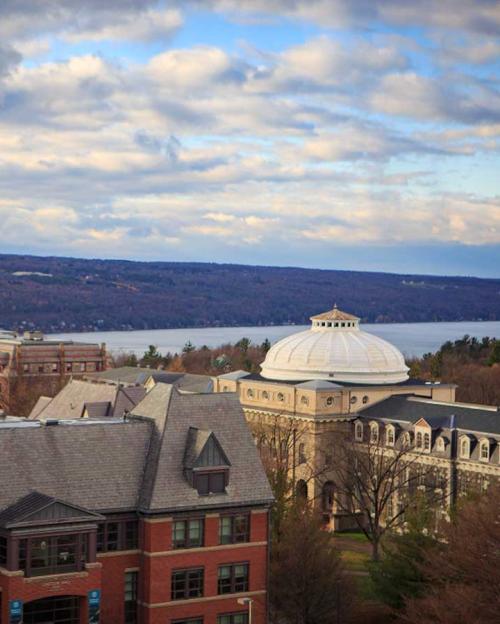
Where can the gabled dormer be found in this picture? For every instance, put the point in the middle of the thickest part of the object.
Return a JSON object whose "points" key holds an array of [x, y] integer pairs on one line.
{"points": [[423, 436], [206, 465]]}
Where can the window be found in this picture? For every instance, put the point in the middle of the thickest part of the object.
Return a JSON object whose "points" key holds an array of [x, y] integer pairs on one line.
{"points": [[69, 367], [26, 368], [233, 618], [233, 578], [52, 555], [234, 529], [358, 432], [464, 448], [419, 440], [55, 368], [210, 482], [265, 395], [354, 400], [302, 453], [365, 399], [374, 433], [250, 393], [187, 584], [427, 442], [440, 445], [3, 550], [485, 451], [117, 535], [130, 597], [390, 436], [281, 396], [190, 621], [304, 400], [188, 533], [329, 401]]}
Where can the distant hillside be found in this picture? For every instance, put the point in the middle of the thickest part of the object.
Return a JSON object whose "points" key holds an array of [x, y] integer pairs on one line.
{"points": [[67, 294]]}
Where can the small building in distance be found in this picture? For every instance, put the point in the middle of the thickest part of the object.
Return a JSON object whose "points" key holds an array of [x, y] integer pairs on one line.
{"points": [[32, 366], [158, 517]]}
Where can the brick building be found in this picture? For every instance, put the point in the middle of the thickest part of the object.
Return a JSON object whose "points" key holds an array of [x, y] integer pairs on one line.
{"points": [[161, 517], [31, 366]]}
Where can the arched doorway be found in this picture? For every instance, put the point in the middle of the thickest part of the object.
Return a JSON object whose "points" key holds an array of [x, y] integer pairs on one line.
{"points": [[328, 496], [301, 489], [53, 610]]}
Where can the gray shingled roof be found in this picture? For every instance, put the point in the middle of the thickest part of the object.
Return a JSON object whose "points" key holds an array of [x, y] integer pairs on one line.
{"points": [[410, 409], [220, 413], [189, 382], [95, 466], [133, 464]]}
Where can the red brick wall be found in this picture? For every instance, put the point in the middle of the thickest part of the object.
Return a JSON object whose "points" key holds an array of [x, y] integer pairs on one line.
{"points": [[155, 576]]}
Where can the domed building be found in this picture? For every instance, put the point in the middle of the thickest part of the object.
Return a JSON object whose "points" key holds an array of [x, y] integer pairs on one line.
{"points": [[335, 348], [335, 380]]}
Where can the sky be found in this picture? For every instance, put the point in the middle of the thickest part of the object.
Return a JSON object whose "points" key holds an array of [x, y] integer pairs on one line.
{"points": [[337, 134]]}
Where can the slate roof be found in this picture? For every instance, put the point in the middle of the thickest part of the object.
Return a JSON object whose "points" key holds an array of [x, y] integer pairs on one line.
{"points": [[188, 382], [98, 409], [95, 466], [132, 464], [221, 414], [439, 415], [40, 405], [340, 384]]}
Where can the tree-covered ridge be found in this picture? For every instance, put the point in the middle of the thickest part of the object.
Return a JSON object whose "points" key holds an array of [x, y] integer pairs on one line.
{"points": [[68, 294]]}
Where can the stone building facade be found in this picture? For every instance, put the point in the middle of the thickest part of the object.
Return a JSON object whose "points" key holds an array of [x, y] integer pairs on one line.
{"points": [[336, 380]]}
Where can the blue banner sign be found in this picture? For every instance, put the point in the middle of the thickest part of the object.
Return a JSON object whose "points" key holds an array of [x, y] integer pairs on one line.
{"points": [[94, 597], [15, 611]]}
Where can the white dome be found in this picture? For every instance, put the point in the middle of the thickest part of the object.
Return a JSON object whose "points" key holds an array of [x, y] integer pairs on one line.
{"points": [[335, 348]]}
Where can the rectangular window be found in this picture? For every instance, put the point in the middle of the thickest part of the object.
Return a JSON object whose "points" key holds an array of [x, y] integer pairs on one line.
{"points": [[233, 618], [3, 550], [190, 621], [234, 529], [131, 597], [53, 555], [117, 535], [187, 584], [210, 482], [233, 578], [188, 533]]}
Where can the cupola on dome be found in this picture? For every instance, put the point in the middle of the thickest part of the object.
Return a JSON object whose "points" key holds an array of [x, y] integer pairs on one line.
{"points": [[335, 348]]}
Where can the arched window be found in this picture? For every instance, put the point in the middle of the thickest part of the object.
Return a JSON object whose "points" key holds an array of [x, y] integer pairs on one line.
{"points": [[358, 431], [390, 436], [250, 393], [485, 451], [440, 445], [365, 399], [374, 433], [304, 400], [427, 442], [281, 396], [301, 489], [328, 496], [419, 440], [407, 439], [302, 453], [464, 448], [265, 395]]}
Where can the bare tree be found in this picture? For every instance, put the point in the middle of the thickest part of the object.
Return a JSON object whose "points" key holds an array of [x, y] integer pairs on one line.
{"points": [[378, 482], [463, 574], [308, 581], [289, 463]]}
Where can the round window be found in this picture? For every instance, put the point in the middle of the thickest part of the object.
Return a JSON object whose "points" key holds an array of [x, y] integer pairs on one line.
{"points": [[281, 396], [329, 401], [250, 392], [265, 395], [304, 400], [354, 399], [365, 399]]}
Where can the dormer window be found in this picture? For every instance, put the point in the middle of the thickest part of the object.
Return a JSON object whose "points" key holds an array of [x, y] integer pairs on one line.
{"points": [[390, 436], [484, 450], [206, 466], [419, 442], [427, 442], [465, 447], [440, 445], [374, 433], [358, 431]]}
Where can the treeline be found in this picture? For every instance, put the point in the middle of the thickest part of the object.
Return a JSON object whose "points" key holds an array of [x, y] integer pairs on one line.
{"points": [[69, 294], [471, 363]]}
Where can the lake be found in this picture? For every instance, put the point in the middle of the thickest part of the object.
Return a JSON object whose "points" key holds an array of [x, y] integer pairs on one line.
{"points": [[413, 339]]}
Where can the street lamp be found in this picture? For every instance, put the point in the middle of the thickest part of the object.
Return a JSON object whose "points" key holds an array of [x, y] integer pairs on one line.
{"points": [[247, 601]]}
